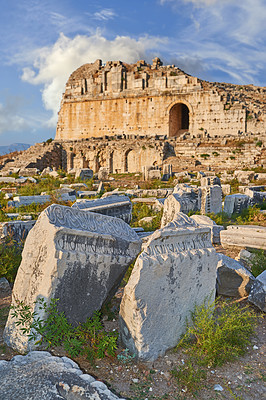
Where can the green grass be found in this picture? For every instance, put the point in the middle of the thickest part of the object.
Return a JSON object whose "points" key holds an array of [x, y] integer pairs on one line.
{"points": [[258, 263], [142, 210], [216, 333]]}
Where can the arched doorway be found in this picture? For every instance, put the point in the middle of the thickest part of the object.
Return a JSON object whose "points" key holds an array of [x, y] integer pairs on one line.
{"points": [[178, 119]]}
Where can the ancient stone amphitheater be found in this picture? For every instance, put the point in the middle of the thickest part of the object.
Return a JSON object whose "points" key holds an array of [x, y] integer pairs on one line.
{"points": [[127, 116]]}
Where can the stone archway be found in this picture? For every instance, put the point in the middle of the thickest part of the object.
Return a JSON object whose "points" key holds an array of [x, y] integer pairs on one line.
{"points": [[178, 119]]}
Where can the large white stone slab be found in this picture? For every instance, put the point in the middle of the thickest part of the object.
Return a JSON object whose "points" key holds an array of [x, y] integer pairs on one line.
{"points": [[27, 200], [76, 256], [175, 271], [252, 236]]}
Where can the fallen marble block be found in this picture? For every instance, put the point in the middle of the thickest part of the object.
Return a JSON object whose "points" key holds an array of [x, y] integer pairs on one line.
{"points": [[27, 200], [114, 206], [232, 278], [175, 271], [257, 294], [41, 376], [84, 174], [235, 203], [180, 201], [18, 230], [250, 236], [203, 220], [74, 256], [211, 199]]}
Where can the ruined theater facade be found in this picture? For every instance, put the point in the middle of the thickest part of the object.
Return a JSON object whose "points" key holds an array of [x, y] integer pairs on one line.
{"points": [[142, 99], [127, 116]]}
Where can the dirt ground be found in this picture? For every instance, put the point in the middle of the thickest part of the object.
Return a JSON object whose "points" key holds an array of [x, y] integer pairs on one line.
{"points": [[243, 379]]}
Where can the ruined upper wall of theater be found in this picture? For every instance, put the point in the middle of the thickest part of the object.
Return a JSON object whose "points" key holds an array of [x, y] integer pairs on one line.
{"points": [[143, 99]]}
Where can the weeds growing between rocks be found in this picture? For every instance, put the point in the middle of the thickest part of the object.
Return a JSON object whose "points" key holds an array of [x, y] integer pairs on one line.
{"points": [[87, 339], [218, 332]]}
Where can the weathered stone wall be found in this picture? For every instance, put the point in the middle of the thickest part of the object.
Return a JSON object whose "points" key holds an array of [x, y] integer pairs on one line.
{"points": [[143, 99], [130, 153]]}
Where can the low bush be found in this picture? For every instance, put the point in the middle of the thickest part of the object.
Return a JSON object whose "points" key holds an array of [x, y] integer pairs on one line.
{"points": [[142, 210], [87, 339], [217, 332], [257, 263], [10, 258]]}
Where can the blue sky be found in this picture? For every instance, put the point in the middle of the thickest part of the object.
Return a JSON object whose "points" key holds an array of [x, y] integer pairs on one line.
{"points": [[43, 41]]}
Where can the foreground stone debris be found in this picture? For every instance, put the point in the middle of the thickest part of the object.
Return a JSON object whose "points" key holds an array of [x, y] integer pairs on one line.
{"points": [[76, 256], [40, 376], [175, 271], [257, 294], [232, 278], [251, 236]]}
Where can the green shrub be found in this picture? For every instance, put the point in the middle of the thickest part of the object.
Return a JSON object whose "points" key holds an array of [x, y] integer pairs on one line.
{"points": [[205, 156], [142, 210], [218, 332], [258, 262], [10, 258], [259, 143], [87, 339]]}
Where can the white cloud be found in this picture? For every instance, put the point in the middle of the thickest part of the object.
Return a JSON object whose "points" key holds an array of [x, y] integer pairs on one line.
{"points": [[226, 36], [52, 65], [199, 3], [105, 14], [11, 119]]}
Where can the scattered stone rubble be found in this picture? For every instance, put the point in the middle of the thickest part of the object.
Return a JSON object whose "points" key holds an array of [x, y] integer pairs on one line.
{"points": [[39, 375]]}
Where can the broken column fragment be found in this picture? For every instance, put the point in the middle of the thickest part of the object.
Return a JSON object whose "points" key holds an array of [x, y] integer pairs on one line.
{"points": [[175, 271], [75, 256]]}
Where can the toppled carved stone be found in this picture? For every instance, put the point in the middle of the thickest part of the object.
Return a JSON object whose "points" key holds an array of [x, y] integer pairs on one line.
{"points": [[235, 203], [175, 271], [27, 200], [151, 172], [75, 256], [41, 376], [257, 294], [210, 180], [103, 173], [183, 199], [114, 206], [232, 278], [18, 230], [203, 220], [84, 174], [211, 199], [251, 236], [244, 176]]}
